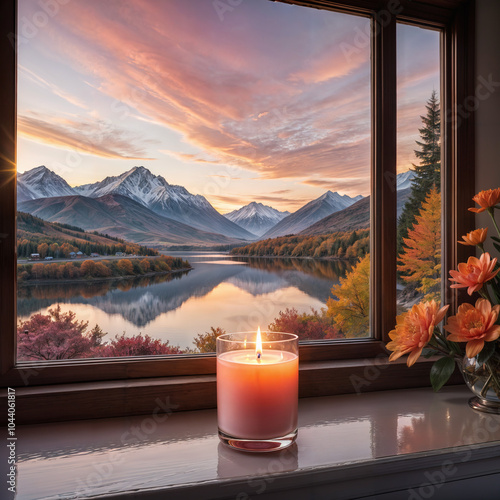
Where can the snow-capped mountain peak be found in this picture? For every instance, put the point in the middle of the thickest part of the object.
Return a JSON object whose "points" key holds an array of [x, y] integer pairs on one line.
{"points": [[142, 186], [335, 199], [168, 200], [327, 204], [404, 180], [256, 217], [40, 182]]}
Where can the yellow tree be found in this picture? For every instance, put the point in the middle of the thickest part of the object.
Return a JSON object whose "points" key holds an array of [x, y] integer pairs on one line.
{"points": [[351, 311], [420, 260]]}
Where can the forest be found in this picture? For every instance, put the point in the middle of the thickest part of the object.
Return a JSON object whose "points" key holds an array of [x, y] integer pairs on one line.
{"points": [[91, 269], [344, 245], [51, 239]]}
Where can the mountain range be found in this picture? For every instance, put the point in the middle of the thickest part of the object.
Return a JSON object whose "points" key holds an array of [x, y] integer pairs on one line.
{"points": [[167, 200], [144, 208], [310, 213], [354, 217], [140, 185], [120, 216], [256, 217]]}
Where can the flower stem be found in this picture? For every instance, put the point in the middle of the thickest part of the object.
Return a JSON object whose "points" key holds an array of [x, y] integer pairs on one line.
{"points": [[492, 215], [494, 377], [486, 386], [484, 293]]}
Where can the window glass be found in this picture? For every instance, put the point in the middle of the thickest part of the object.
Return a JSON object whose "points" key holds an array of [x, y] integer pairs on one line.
{"points": [[419, 244], [189, 168]]}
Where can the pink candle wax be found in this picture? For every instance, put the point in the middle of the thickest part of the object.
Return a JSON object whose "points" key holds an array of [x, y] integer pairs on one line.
{"points": [[257, 398]]}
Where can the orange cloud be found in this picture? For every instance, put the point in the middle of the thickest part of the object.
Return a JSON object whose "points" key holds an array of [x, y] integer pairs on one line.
{"points": [[220, 87], [82, 137]]}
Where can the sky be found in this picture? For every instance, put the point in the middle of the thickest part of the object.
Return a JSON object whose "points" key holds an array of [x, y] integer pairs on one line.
{"points": [[256, 101]]}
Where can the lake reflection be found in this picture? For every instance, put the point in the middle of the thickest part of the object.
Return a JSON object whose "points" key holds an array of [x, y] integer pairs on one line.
{"points": [[235, 293]]}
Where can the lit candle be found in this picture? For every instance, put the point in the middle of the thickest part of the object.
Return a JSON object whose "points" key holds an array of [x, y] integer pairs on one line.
{"points": [[257, 389]]}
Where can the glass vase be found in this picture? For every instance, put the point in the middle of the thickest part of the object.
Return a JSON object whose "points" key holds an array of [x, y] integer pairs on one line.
{"points": [[484, 381]]}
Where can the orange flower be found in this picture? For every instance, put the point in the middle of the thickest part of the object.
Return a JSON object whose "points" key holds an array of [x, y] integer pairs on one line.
{"points": [[475, 273], [476, 237], [486, 199], [414, 329], [474, 325]]}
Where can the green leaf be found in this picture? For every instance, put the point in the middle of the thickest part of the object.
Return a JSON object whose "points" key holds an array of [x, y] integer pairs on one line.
{"points": [[487, 351], [427, 353], [441, 372], [497, 246], [495, 238]]}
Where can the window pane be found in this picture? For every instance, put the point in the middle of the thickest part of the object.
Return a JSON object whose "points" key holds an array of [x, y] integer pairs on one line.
{"points": [[419, 166], [188, 168]]}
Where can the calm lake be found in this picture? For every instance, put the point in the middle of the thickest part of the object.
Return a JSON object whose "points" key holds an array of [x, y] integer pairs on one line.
{"points": [[234, 293]]}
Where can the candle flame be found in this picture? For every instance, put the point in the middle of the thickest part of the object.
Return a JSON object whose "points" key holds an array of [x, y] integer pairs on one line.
{"points": [[258, 344]]}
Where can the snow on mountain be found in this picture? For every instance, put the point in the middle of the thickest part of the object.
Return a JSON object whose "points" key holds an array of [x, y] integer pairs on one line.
{"points": [[405, 179], [40, 182], [174, 202], [311, 213], [24, 193], [256, 217]]}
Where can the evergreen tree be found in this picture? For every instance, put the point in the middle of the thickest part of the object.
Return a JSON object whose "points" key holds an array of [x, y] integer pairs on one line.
{"points": [[428, 173]]}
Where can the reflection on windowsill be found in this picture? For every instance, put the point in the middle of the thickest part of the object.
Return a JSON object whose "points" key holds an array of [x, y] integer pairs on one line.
{"points": [[162, 450]]}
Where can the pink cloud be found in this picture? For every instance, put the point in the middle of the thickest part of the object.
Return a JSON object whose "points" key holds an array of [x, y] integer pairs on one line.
{"points": [[107, 142], [220, 87]]}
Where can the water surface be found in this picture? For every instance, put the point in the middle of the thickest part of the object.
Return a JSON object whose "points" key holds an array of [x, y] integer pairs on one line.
{"points": [[234, 293]]}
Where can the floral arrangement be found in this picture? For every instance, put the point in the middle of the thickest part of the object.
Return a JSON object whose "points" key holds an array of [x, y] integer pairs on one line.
{"points": [[417, 332]]}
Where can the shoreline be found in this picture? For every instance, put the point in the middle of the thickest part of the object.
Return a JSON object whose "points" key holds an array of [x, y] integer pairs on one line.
{"points": [[304, 257], [96, 280]]}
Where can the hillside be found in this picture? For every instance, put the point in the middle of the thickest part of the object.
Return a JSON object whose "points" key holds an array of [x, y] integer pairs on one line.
{"points": [[32, 231], [341, 245], [122, 217]]}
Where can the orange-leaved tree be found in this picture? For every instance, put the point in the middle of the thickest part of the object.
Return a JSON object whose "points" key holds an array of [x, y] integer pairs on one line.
{"points": [[420, 260], [207, 342], [351, 311]]}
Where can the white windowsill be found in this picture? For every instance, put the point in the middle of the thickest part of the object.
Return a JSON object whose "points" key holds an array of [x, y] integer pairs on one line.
{"points": [[375, 445]]}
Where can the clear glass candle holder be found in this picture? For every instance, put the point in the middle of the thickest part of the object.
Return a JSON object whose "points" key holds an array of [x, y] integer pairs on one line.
{"points": [[257, 390]]}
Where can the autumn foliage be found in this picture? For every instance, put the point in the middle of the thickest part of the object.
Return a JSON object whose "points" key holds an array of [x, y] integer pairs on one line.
{"points": [[207, 342], [351, 310], [34, 235], [58, 335], [420, 261], [336, 245], [137, 345], [99, 269], [315, 325]]}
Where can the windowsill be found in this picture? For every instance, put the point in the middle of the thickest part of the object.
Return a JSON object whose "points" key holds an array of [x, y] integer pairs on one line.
{"points": [[369, 444]]}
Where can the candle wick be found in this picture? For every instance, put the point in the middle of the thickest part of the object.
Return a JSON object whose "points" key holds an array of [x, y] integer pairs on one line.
{"points": [[258, 355]]}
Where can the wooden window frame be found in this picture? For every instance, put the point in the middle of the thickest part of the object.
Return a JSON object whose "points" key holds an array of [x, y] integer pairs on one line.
{"points": [[96, 388]]}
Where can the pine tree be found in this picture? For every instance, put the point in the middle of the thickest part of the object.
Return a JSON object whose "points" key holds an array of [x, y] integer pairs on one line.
{"points": [[428, 173]]}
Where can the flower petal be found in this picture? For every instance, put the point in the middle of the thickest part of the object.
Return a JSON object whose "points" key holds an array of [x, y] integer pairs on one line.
{"points": [[414, 355], [474, 347], [493, 333]]}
